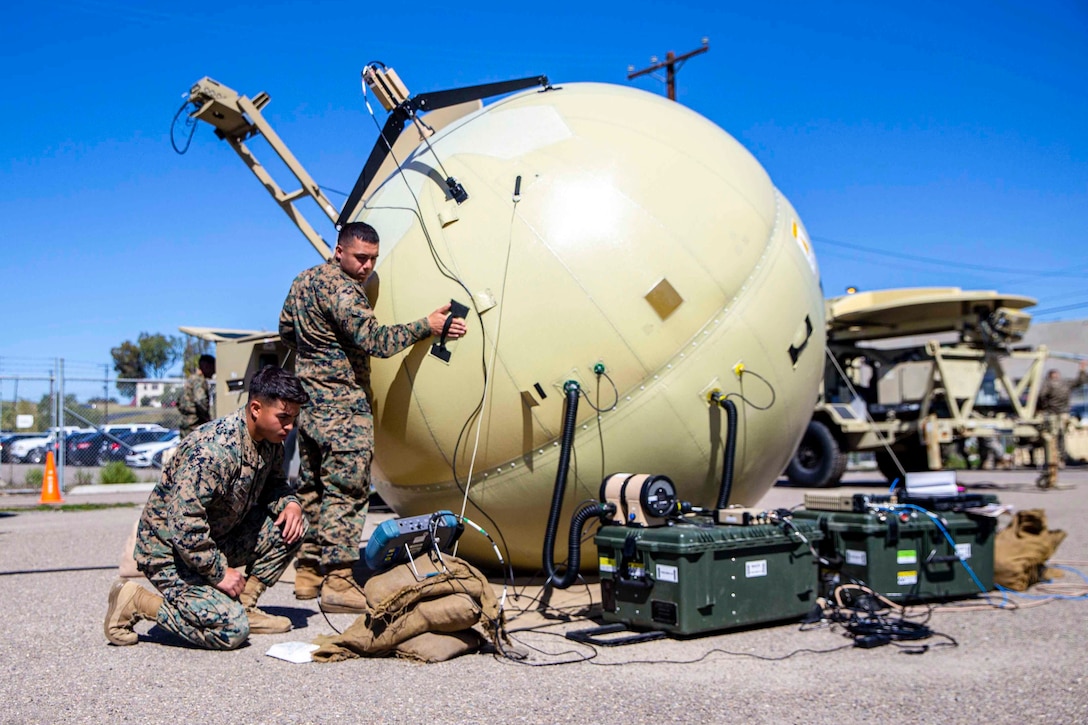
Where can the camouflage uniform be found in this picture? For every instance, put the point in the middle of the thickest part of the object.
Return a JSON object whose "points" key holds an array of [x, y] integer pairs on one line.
{"points": [[327, 318], [214, 507], [1053, 404], [194, 404], [1054, 395]]}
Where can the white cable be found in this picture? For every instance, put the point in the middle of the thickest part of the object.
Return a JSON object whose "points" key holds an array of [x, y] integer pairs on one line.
{"points": [[879, 433], [489, 370], [491, 366], [498, 555], [366, 102]]}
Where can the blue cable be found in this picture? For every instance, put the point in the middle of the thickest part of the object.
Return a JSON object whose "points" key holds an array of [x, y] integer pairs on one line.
{"points": [[948, 537], [1051, 596], [1063, 567], [1005, 592]]}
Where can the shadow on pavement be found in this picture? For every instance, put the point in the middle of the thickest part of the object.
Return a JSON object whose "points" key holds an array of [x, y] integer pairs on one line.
{"points": [[299, 617]]}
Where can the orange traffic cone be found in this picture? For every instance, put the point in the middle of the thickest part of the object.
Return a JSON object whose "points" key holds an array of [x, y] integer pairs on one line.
{"points": [[50, 489]]}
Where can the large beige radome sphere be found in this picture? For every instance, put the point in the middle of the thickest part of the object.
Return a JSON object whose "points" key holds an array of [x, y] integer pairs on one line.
{"points": [[645, 239]]}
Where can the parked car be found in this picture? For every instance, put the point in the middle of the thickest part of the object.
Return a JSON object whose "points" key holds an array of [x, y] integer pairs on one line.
{"points": [[30, 449], [6, 443], [117, 450], [150, 454], [37, 455], [111, 443], [84, 449], [117, 428], [34, 448]]}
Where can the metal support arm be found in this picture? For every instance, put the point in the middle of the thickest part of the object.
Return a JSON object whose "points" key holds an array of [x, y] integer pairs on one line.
{"points": [[400, 116], [237, 118]]}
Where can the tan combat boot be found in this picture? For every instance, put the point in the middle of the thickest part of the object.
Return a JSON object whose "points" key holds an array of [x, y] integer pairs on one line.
{"points": [[340, 593], [308, 580], [260, 622], [129, 603]]}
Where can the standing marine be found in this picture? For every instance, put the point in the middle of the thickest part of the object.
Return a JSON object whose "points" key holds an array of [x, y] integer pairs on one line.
{"points": [[195, 404], [1055, 394], [1053, 404], [329, 321], [221, 505]]}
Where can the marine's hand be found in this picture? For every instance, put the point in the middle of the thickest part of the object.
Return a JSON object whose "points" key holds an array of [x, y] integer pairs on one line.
{"points": [[291, 523], [232, 584], [437, 320]]}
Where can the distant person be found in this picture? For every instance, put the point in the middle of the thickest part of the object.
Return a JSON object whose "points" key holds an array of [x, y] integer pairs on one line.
{"points": [[1053, 403], [1055, 393], [328, 320], [221, 504], [195, 404]]}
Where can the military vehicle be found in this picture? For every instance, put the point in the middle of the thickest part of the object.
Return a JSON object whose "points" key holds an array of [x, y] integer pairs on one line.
{"points": [[603, 240], [913, 371]]}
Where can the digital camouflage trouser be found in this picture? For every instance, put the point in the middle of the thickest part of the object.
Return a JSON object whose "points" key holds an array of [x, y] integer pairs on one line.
{"points": [[1056, 425], [335, 449], [196, 611]]}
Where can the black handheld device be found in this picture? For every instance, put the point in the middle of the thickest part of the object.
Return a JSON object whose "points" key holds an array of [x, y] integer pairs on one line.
{"points": [[439, 349]]}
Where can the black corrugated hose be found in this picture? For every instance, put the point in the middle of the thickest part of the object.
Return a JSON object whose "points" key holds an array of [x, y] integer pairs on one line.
{"points": [[572, 391], [730, 450]]}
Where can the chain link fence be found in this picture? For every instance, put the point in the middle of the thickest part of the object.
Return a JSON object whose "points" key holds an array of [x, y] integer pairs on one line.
{"points": [[100, 429]]}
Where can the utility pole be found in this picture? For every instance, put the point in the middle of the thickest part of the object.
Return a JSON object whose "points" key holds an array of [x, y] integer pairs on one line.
{"points": [[61, 438], [105, 396], [671, 64]]}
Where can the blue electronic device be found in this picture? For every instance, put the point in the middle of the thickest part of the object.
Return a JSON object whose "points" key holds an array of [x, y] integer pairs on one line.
{"points": [[398, 541]]}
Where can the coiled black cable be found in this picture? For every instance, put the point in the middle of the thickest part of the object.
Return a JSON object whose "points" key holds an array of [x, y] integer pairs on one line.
{"points": [[189, 123]]}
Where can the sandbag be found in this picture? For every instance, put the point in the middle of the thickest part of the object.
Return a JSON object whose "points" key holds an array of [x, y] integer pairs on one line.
{"points": [[1022, 549], [393, 591], [439, 646], [452, 597]]}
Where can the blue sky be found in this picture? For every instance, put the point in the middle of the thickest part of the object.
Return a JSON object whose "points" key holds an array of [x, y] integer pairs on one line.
{"points": [[923, 143]]}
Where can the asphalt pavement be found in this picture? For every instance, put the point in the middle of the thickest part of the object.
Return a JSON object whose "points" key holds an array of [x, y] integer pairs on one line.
{"points": [[1009, 666]]}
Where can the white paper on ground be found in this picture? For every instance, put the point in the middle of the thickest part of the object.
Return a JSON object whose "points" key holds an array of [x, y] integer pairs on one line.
{"points": [[297, 652], [993, 510]]}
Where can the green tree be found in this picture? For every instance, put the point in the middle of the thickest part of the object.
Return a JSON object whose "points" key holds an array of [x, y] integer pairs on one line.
{"points": [[194, 348], [44, 412], [43, 416], [159, 352], [13, 409], [150, 356], [128, 363], [86, 414]]}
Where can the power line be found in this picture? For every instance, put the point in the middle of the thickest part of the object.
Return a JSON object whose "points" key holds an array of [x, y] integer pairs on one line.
{"points": [[957, 264], [1063, 308]]}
